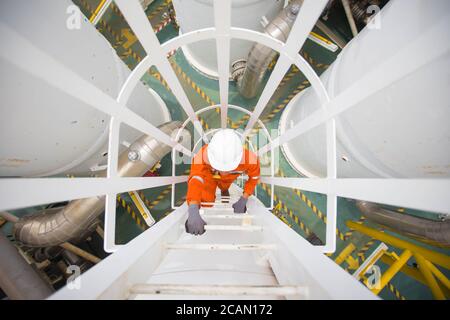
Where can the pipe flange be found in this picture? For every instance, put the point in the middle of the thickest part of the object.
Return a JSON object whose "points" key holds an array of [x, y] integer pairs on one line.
{"points": [[237, 69]]}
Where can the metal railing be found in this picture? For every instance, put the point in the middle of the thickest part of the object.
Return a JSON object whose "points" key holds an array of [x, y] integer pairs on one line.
{"points": [[422, 194]]}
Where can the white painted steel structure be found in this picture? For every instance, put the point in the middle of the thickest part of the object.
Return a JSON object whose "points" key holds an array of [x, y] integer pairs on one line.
{"points": [[249, 256], [401, 130], [46, 132], [199, 14], [22, 53]]}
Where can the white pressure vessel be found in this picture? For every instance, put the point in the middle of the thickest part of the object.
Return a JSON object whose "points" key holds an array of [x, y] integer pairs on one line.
{"points": [[399, 131], [199, 14], [44, 131]]}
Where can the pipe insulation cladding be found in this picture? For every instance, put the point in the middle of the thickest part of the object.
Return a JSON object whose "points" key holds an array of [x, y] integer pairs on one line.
{"points": [[45, 131], [431, 231], [399, 131], [199, 14], [249, 83], [18, 279], [54, 227]]}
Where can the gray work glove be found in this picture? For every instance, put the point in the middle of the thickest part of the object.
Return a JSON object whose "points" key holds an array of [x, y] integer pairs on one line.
{"points": [[194, 224], [240, 205]]}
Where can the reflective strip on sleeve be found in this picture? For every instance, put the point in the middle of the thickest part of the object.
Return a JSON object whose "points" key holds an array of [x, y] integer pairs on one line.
{"points": [[255, 177], [198, 178]]}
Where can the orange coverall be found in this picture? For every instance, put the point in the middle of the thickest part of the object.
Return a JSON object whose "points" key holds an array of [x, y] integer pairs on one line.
{"points": [[204, 179]]}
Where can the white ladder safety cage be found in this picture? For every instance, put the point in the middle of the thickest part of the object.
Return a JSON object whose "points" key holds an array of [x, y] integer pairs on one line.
{"points": [[297, 268]]}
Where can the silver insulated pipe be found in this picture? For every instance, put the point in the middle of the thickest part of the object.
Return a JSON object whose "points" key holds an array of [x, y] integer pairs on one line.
{"points": [[18, 279], [430, 231], [249, 80], [53, 227]]}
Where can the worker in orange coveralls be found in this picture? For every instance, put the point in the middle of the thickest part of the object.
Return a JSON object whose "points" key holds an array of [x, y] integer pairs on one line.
{"points": [[218, 164]]}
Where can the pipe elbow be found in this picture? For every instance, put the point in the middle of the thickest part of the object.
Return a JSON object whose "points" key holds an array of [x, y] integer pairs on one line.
{"points": [[52, 227], [431, 231]]}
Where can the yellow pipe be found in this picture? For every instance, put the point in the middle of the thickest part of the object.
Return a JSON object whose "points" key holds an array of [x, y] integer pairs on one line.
{"points": [[428, 275], [393, 270], [102, 3], [438, 274], [430, 255], [409, 271], [414, 273], [345, 253]]}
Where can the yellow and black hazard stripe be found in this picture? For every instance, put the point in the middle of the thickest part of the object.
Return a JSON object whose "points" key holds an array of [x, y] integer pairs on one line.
{"points": [[202, 94], [280, 107], [158, 76], [286, 101], [311, 61], [395, 291], [349, 233], [288, 76], [158, 199], [116, 10], [103, 26], [361, 253], [307, 57], [314, 208], [142, 225], [129, 53], [204, 123], [158, 9], [162, 25], [88, 7], [194, 86], [179, 202], [288, 211], [241, 121]]}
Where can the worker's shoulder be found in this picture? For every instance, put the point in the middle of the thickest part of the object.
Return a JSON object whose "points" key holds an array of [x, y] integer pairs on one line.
{"points": [[250, 157], [202, 150], [201, 156]]}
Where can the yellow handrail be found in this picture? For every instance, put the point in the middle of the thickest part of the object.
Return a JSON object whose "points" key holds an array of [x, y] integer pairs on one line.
{"points": [[100, 6]]}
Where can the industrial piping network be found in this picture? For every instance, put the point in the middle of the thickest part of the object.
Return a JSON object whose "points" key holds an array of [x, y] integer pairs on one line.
{"points": [[141, 259], [432, 231], [249, 74], [45, 228]]}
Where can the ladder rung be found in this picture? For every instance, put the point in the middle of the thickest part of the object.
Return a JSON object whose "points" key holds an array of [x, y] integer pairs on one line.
{"points": [[230, 228], [228, 216], [206, 246], [217, 209], [217, 204], [218, 289], [233, 228]]}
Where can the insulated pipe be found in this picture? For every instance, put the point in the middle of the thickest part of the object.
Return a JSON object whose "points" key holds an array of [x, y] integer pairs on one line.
{"points": [[47, 228], [81, 253], [9, 217], [349, 14], [260, 56], [436, 232], [18, 279]]}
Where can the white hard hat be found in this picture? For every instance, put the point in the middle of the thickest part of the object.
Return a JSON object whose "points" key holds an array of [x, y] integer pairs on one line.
{"points": [[225, 150]]}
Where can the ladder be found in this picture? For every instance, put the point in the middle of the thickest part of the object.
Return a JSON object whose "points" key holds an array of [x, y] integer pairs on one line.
{"points": [[240, 256]]}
